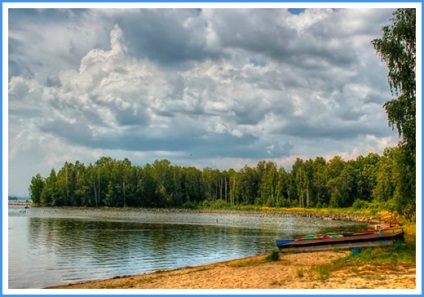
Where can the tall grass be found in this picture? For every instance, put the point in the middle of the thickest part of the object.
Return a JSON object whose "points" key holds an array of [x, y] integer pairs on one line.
{"points": [[400, 253]]}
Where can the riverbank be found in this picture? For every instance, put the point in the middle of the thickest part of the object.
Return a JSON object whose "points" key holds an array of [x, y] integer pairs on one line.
{"points": [[293, 271]]}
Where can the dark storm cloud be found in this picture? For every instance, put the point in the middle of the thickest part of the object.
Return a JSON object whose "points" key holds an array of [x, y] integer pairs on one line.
{"points": [[136, 139], [169, 37], [74, 133], [325, 130]]}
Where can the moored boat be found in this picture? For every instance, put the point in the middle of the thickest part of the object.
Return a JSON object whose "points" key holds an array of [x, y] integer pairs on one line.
{"points": [[349, 241], [280, 242]]}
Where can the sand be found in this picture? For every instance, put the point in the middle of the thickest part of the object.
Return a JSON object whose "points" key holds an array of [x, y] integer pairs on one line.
{"points": [[291, 271]]}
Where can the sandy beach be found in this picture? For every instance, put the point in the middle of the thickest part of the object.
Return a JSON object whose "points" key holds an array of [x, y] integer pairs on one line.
{"points": [[291, 271]]}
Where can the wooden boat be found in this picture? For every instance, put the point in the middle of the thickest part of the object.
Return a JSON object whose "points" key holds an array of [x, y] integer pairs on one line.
{"points": [[359, 233], [379, 239], [318, 236], [280, 242]]}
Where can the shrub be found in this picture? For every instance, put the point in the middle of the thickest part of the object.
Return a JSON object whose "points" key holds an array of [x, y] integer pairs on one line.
{"points": [[189, 205], [205, 204], [274, 255], [360, 204], [219, 204]]}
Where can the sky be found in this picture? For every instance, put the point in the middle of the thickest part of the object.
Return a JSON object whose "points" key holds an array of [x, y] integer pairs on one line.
{"points": [[204, 87]]}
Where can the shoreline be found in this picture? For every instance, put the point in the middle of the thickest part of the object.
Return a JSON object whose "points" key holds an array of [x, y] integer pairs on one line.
{"points": [[327, 215], [291, 271]]}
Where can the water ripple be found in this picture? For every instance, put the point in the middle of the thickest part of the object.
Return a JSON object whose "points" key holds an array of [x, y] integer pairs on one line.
{"points": [[58, 246]]}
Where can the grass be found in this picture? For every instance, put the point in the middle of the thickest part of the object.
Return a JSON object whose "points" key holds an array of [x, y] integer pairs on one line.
{"points": [[389, 258], [323, 272]]}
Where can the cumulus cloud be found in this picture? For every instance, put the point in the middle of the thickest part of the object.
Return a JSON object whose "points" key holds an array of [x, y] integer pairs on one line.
{"points": [[195, 85]]}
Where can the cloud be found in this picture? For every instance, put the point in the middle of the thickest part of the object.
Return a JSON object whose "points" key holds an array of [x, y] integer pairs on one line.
{"points": [[46, 41], [197, 85]]}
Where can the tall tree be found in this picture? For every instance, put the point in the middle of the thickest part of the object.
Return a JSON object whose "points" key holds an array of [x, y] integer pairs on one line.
{"points": [[49, 195], [385, 187], [397, 48], [36, 188], [268, 184], [319, 182]]}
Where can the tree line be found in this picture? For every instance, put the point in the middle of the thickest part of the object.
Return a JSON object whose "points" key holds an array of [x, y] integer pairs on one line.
{"points": [[310, 183]]}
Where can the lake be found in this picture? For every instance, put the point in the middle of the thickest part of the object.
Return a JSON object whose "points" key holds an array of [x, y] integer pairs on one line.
{"points": [[54, 246]]}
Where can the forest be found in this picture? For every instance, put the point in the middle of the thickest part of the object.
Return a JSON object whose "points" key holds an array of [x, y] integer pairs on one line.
{"points": [[363, 182]]}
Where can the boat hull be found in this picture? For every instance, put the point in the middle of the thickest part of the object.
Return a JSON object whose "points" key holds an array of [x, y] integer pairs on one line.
{"points": [[281, 242], [349, 242]]}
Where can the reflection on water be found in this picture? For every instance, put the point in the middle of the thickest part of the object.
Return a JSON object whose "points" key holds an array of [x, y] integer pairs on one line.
{"points": [[58, 246]]}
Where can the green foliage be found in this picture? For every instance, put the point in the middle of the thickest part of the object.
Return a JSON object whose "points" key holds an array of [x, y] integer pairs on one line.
{"points": [[36, 188], [404, 174], [50, 195], [360, 204], [397, 48], [323, 272], [218, 204], [189, 205], [361, 183], [273, 256]]}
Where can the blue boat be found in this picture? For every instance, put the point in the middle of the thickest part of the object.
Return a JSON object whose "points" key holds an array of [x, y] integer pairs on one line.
{"points": [[281, 242]]}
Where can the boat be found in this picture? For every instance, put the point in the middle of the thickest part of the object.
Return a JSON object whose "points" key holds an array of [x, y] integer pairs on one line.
{"points": [[316, 236], [349, 241], [359, 233], [280, 242]]}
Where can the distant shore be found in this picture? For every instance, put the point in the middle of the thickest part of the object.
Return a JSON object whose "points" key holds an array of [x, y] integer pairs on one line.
{"points": [[18, 203], [323, 213], [292, 271]]}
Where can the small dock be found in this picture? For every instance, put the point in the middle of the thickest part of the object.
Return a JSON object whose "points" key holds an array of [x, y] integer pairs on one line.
{"points": [[19, 203], [343, 243]]}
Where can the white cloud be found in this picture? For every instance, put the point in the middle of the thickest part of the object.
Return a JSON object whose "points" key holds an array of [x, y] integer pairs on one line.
{"points": [[208, 88]]}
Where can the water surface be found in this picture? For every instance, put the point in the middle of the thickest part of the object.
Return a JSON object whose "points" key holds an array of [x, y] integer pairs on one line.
{"points": [[53, 246]]}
